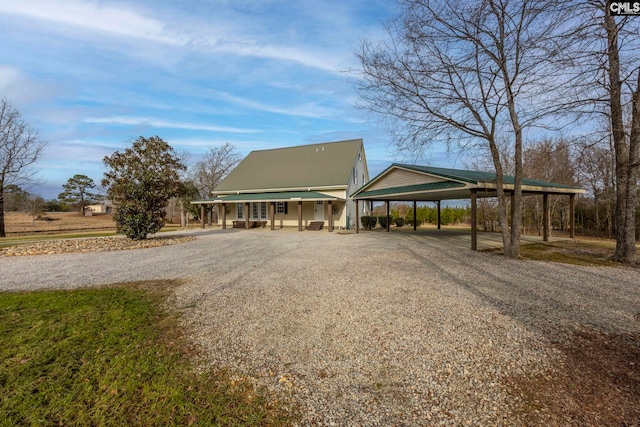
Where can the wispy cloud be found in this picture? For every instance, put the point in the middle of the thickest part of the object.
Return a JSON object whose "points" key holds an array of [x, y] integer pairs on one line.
{"points": [[118, 21], [91, 16], [308, 110], [146, 121]]}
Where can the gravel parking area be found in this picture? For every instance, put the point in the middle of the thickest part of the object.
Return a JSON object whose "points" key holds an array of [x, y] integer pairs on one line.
{"points": [[368, 329]]}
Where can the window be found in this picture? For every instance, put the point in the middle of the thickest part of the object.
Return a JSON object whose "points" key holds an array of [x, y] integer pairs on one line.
{"points": [[281, 208], [355, 176], [258, 211], [239, 208]]}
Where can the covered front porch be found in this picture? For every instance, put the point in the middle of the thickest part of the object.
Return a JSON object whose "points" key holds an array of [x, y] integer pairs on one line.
{"points": [[304, 209]]}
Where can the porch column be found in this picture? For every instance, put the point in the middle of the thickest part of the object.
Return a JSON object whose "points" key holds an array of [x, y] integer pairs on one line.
{"points": [[545, 217], [246, 215], [388, 219], [415, 214], [224, 216], [300, 215], [474, 228], [357, 218], [272, 215], [202, 216], [572, 216], [329, 208], [439, 215], [210, 216]]}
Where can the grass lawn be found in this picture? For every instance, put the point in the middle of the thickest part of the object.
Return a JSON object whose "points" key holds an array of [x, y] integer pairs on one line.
{"points": [[112, 356], [580, 251]]}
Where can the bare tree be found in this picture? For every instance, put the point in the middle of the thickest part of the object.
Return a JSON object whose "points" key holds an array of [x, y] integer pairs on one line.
{"points": [[213, 167], [596, 165], [550, 160], [20, 147], [472, 72], [605, 50], [626, 139]]}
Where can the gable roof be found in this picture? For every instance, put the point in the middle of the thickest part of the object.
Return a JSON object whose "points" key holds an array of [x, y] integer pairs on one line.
{"points": [[314, 166], [412, 182]]}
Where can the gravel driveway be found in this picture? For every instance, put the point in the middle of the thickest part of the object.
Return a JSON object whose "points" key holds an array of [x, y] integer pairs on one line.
{"points": [[368, 329]]}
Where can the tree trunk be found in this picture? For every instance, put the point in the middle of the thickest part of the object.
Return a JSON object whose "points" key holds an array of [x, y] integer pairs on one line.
{"points": [[2, 230], [183, 216], [626, 167]]}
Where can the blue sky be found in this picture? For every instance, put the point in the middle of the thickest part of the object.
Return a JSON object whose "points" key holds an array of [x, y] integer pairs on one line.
{"points": [[91, 76]]}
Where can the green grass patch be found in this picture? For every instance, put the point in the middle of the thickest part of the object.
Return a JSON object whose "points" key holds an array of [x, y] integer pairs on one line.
{"points": [[112, 356], [575, 251]]}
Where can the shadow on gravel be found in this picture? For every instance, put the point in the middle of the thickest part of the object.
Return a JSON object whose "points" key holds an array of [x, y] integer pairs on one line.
{"points": [[596, 382]]}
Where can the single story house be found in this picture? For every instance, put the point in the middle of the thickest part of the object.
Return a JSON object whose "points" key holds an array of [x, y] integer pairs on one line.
{"points": [[307, 186]]}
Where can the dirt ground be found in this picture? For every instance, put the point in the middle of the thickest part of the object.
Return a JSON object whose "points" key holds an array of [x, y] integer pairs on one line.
{"points": [[597, 383]]}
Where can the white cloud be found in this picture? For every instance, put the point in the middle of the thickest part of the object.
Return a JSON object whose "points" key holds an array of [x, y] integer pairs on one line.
{"points": [[118, 21], [146, 121], [8, 76], [90, 16], [308, 110]]}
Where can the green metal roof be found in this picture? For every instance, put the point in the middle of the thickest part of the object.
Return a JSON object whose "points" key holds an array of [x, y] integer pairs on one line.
{"points": [[475, 177], [285, 196], [307, 166], [456, 184], [411, 189]]}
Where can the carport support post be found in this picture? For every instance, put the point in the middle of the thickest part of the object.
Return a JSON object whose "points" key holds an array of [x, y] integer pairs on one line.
{"points": [[224, 216], [545, 217], [202, 216], [330, 209], [246, 215], [300, 215], [572, 215], [415, 214], [358, 219], [439, 215], [474, 228], [386, 202]]}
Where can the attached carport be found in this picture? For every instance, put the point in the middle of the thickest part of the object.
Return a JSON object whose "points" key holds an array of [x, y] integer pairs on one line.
{"points": [[411, 183]]}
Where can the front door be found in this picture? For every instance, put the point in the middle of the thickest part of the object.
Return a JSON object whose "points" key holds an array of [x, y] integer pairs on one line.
{"points": [[258, 211], [318, 211]]}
